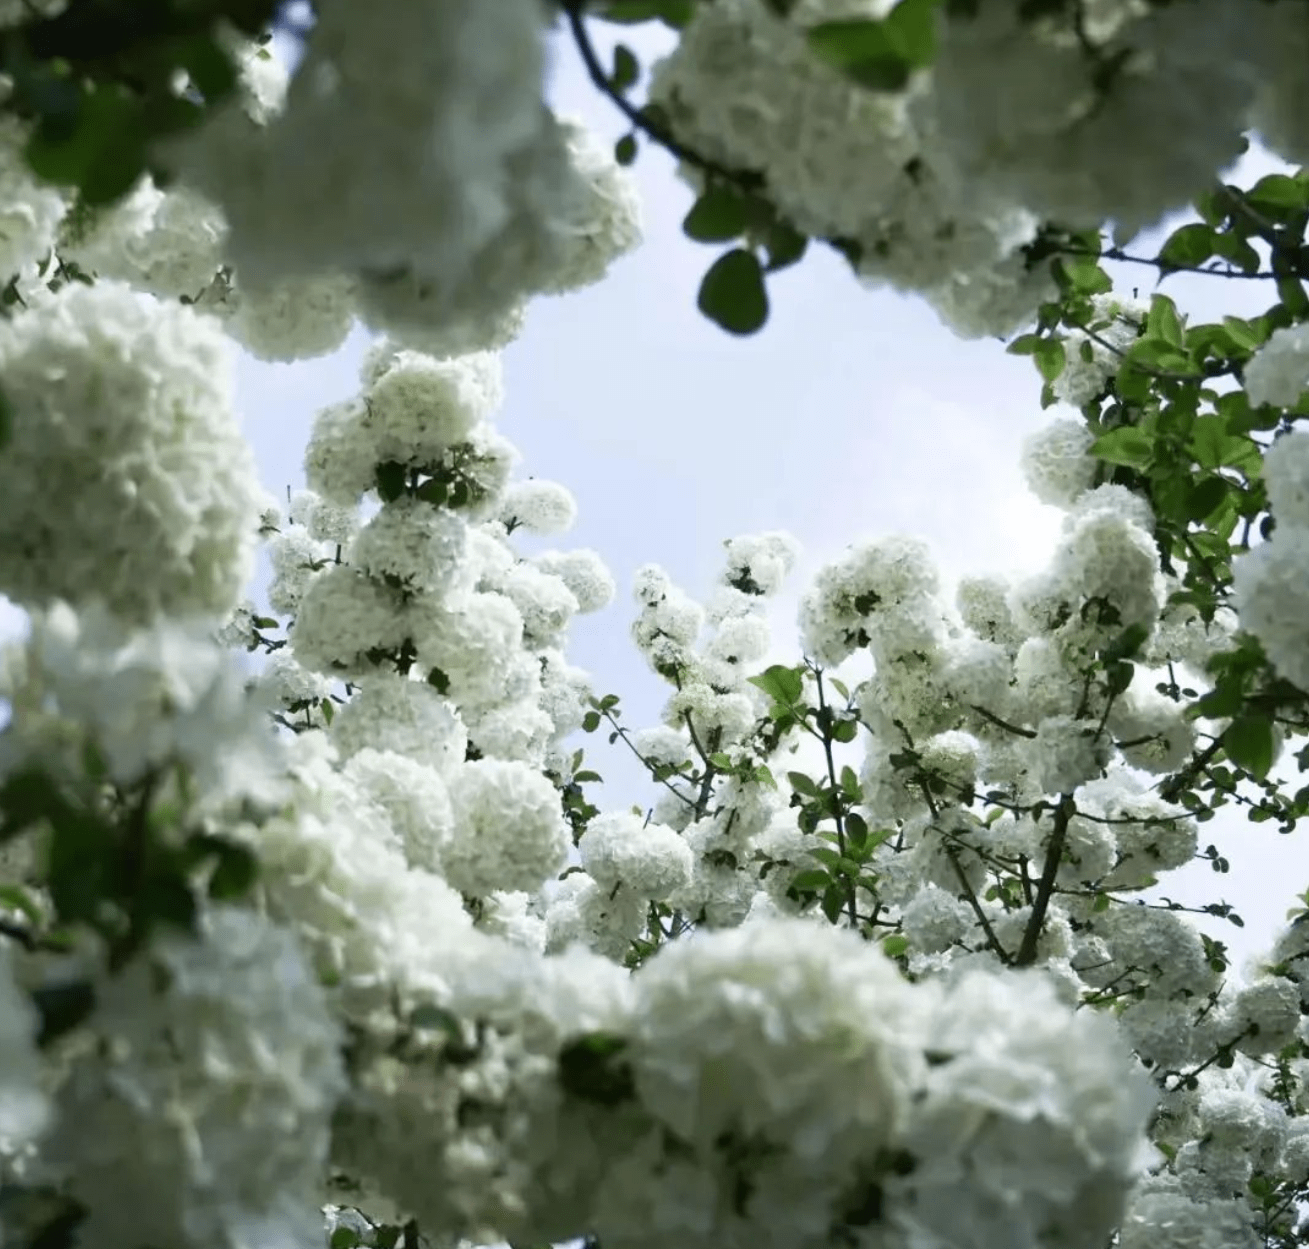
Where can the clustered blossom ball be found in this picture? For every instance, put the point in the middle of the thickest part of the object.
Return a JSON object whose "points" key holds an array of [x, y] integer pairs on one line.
{"points": [[125, 474]]}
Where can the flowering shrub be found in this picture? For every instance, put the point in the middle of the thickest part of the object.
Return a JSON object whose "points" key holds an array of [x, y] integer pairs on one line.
{"points": [[339, 942]]}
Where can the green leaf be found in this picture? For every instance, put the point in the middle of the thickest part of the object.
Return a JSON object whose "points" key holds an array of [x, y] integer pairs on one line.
{"points": [[732, 293], [1081, 275], [590, 721], [1050, 358], [344, 1238], [1208, 440], [856, 829], [1187, 247], [235, 873], [802, 784], [785, 246], [1207, 496], [1163, 321], [813, 880], [782, 684], [720, 214], [674, 13], [1126, 445], [627, 69], [61, 1007], [1278, 196], [895, 944], [591, 1068], [1101, 903], [1248, 742], [390, 477], [832, 903], [99, 148], [625, 150], [880, 55]]}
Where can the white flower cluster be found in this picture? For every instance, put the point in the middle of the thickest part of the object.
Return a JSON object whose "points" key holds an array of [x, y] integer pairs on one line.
{"points": [[436, 113], [125, 476], [202, 1114], [1270, 584]]}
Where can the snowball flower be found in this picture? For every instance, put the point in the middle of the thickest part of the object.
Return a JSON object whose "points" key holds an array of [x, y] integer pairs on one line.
{"points": [[1056, 463], [759, 563], [509, 830], [414, 797], [1286, 475], [404, 717], [24, 1109], [622, 849], [584, 573], [30, 209], [543, 507], [125, 475], [784, 1029], [203, 1116], [1029, 1121], [421, 406], [1278, 373], [1270, 591], [143, 698]]}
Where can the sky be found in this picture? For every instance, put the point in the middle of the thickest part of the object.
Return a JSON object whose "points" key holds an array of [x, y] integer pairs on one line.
{"points": [[854, 413]]}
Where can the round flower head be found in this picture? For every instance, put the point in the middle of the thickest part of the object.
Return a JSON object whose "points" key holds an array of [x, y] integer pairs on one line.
{"points": [[1278, 373], [1056, 464], [509, 832], [403, 717], [584, 573], [543, 507], [420, 406], [125, 475], [622, 849], [1286, 475], [203, 1115]]}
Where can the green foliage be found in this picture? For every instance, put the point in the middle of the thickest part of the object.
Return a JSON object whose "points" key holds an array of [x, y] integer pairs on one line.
{"points": [[97, 82], [673, 13], [880, 55], [592, 1069], [732, 292]]}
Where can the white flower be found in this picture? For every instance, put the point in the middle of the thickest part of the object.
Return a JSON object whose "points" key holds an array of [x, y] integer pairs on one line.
{"points": [[1056, 465], [30, 209], [1028, 1122], [143, 698], [1270, 591], [584, 573], [651, 859], [404, 717], [543, 507], [420, 406], [167, 243], [1278, 373], [787, 1030], [24, 1106], [426, 106], [1270, 1010], [759, 563], [509, 830], [417, 544], [293, 319], [414, 797], [345, 619], [125, 475], [289, 683], [1286, 476], [203, 1116], [296, 558]]}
